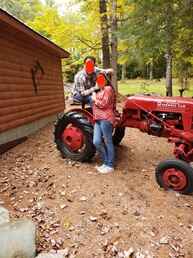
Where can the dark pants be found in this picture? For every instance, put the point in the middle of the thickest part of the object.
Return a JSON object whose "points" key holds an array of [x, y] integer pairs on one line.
{"points": [[83, 99]]}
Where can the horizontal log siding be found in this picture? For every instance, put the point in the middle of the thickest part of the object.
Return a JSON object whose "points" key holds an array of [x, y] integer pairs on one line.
{"points": [[18, 102]]}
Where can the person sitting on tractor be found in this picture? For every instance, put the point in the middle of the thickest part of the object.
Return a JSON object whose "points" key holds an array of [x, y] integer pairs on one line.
{"points": [[104, 116], [85, 81]]}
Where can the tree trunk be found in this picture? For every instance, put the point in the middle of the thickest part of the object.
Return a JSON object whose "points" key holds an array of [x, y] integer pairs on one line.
{"points": [[146, 72], [151, 70], [168, 73], [169, 42], [105, 33], [186, 82], [114, 42], [123, 72]]}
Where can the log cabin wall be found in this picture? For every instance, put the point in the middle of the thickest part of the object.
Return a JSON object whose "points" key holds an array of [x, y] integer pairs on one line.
{"points": [[31, 85]]}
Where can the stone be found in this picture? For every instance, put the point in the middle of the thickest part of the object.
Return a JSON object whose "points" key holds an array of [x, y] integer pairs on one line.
{"points": [[4, 215], [17, 239]]}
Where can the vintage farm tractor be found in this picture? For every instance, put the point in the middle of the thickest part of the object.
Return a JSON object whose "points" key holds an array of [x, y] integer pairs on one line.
{"points": [[159, 116]]}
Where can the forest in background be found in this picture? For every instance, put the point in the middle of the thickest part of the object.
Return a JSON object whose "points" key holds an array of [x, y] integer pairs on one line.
{"points": [[139, 38]]}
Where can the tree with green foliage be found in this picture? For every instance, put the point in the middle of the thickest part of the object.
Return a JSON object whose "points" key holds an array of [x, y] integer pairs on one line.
{"points": [[135, 37], [184, 43], [25, 10], [160, 28], [148, 29]]}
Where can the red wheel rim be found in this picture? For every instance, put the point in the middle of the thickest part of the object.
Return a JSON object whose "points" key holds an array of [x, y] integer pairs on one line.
{"points": [[175, 179], [73, 137]]}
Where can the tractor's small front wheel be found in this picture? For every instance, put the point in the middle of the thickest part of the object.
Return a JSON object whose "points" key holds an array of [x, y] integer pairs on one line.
{"points": [[176, 175]]}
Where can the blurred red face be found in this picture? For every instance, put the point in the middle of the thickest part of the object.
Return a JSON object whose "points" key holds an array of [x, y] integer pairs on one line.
{"points": [[89, 66], [101, 81]]}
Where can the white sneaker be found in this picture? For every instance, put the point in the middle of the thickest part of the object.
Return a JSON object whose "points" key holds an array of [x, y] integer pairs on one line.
{"points": [[99, 167], [105, 169]]}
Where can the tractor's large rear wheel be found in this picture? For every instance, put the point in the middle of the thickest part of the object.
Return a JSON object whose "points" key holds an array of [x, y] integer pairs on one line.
{"points": [[176, 175], [73, 136], [118, 135]]}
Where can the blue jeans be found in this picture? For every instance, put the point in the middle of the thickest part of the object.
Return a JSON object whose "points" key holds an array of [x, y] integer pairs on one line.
{"points": [[103, 141], [81, 99]]}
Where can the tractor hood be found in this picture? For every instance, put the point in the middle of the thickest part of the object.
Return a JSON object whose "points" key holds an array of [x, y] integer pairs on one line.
{"points": [[165, 104]]}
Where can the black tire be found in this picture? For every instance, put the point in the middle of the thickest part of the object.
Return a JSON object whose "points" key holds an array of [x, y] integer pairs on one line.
{"points": [[79, 121], [118, 135], [184, 181], [77, 114], [73, 113]]}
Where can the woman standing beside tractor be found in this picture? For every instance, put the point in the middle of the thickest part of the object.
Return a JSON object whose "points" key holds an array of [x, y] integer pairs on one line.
{"points": [[104, 116]]}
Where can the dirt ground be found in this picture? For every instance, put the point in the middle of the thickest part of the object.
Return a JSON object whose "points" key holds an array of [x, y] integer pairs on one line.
{"points": [[92, 215]]}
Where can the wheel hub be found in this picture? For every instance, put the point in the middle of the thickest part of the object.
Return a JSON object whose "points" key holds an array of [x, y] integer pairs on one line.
{"points": [[73, 137], [175, 179]]}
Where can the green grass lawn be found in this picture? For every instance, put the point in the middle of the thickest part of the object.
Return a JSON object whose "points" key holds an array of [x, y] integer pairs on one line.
{"points": [[155, 86]]}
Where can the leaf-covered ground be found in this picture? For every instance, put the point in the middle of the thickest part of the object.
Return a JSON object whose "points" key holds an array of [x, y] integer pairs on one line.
{"points": [[91, 215]]}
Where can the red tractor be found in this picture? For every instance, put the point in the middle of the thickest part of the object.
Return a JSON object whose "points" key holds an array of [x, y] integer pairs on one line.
{"points": [[159, 116]]}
